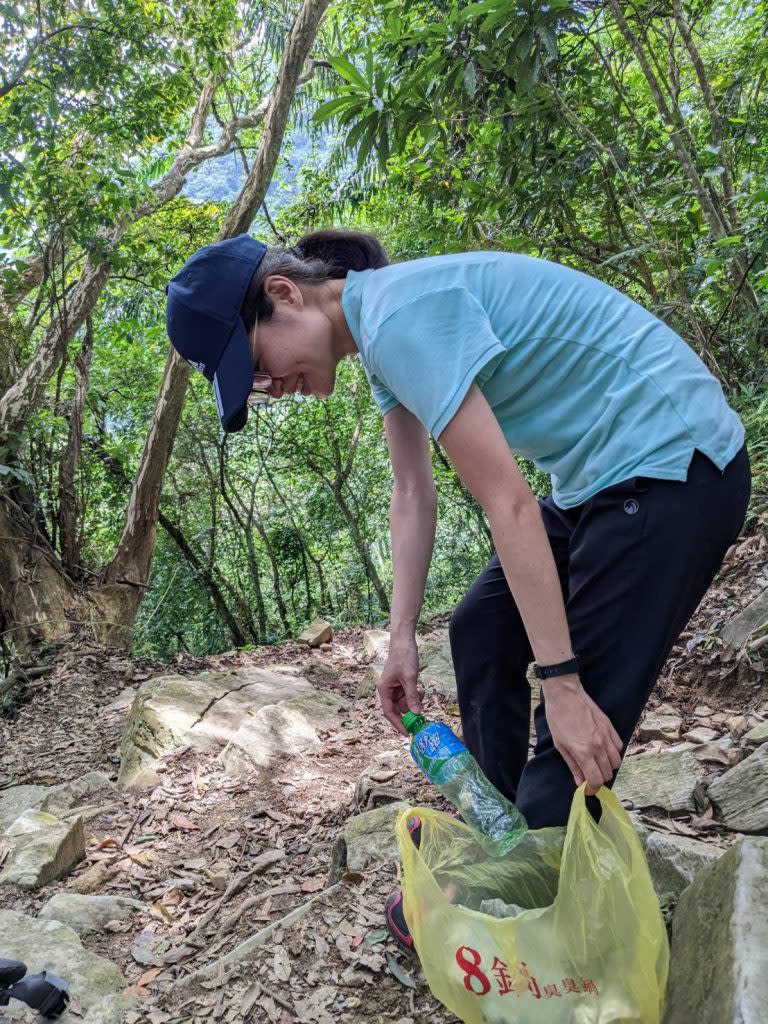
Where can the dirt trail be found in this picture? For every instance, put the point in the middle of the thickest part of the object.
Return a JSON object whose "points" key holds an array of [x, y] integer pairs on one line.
{"points": [[182, 847]]}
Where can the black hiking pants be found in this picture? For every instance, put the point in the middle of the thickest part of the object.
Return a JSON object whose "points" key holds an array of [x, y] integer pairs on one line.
{"points": [[634, 561]]}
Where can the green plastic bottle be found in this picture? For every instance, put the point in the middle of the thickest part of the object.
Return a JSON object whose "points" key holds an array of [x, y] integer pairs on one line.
{"points": [[448, 764]]}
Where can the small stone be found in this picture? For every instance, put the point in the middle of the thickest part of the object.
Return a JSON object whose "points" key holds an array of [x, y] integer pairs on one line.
{"points": [[379, 781], [683, 745], [666, 709], [659, 780], [700, 735], [719, 941], [737, 725], [702, 711], [757, 735], [741, 795], [124, 699], [656, 726], [316, 633], [220, 880], [714, 754]]}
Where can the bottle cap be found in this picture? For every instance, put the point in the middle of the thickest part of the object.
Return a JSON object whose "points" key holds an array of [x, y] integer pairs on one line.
{"points": [[413, 723]]}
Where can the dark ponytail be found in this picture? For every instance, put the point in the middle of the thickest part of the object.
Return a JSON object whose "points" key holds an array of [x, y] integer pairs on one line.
{"points": [[317, 257]]}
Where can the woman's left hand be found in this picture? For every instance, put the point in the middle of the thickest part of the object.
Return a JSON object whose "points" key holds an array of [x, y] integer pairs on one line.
{"points": [[581, 732]]}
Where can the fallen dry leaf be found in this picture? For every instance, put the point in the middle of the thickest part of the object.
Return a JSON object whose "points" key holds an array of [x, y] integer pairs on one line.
{"points": [[182, 821], [313, 884]]}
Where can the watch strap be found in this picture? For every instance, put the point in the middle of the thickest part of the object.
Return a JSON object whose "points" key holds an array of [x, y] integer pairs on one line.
{"points": [[563, 668]]}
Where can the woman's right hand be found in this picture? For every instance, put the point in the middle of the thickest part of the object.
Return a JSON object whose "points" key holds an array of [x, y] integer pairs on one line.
{"points": [[398, 686]]}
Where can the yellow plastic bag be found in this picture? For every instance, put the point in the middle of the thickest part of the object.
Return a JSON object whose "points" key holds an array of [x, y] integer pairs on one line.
{"points": [[588, 947]]}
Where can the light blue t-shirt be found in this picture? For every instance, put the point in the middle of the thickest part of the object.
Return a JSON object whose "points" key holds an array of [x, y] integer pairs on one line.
{"points": [[582, 380]]}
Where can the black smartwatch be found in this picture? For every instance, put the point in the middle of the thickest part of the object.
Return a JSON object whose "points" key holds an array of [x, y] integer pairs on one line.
{"points": [[563, 668]]}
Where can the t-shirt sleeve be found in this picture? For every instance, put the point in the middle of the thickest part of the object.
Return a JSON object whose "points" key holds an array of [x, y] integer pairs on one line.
{"points": [[381, 396], [427, 353]]}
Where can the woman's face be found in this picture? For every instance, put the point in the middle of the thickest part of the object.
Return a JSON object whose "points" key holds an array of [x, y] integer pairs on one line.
{"points": [[295, 346]]}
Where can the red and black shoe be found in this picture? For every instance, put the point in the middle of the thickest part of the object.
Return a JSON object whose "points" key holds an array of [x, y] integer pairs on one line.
{"points": [[396, 926], [393, 909]]}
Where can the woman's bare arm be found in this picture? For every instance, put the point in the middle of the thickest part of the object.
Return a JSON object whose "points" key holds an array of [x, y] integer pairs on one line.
{"points": [[412, 518], [475, 444]]}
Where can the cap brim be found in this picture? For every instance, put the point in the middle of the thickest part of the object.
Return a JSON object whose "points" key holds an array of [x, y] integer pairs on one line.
{"points": [[233, 380]]}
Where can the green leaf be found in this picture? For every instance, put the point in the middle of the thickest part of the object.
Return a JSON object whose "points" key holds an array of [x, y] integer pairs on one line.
{"points": [[326, 111], [348, 71], [470, 80]]}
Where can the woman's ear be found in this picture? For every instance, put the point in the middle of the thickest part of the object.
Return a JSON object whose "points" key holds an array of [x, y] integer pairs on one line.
{"points": [[282, 290]]}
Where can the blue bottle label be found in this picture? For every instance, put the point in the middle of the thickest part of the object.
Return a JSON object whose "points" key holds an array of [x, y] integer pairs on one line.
{"points": [[437, 743]]}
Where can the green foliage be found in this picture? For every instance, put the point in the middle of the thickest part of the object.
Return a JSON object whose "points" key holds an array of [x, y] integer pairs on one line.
{"points": [[440, 127]]}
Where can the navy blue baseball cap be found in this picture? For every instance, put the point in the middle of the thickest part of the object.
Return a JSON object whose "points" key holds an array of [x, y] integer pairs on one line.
{"points": [[204, 322]]}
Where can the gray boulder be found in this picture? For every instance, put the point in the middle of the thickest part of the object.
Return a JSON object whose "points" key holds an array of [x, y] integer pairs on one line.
{"points": [[666, 779], [370, 837], [89, 913], [53, 946], [316, 633], [437, 664], [43, 847], [741, 795], [376, 648], [719, 966], [674, 860]]}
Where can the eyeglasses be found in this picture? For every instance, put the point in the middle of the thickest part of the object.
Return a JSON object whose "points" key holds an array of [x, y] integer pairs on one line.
{"points": [[259, 394]]}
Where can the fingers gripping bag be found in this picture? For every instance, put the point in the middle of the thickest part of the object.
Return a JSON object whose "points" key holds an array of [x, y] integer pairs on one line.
{"points": [[585, 942]]}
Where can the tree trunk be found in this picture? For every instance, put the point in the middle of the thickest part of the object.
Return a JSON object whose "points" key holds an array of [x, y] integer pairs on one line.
{"points": [[37, 599], [125, 578], [237, 633], [69, 534]]}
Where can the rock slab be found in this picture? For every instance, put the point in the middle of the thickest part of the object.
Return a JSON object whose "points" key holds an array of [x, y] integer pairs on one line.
{"points": [[203, 712], [663, 780], [737, 631], [43, 847], [17, 799], [281, 729], [53, 946], [719, 967], [89, 913], [741, 795], [376, 648]]}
